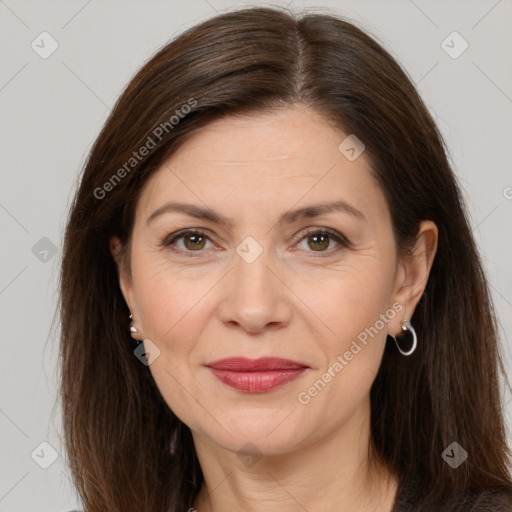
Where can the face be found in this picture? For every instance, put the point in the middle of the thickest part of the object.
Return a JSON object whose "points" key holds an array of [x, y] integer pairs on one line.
{"points": [[320, 290]]}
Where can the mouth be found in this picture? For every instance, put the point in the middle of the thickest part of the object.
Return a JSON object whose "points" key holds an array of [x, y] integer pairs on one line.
{"points": [[256, 375]]}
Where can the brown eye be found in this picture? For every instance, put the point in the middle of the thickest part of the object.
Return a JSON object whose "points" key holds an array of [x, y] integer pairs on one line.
{"points": [[192, 241], [319, 240]]}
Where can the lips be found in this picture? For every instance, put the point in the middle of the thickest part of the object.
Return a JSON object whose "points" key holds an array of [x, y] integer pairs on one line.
{"points": [[256, 375], [242, 364]]}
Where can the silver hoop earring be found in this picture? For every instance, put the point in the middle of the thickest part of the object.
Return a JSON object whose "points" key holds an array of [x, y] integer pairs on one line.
{"points": [[407, 327]]}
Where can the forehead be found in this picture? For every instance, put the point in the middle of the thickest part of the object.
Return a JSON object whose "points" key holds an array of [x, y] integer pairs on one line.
{"points": [[268, 162], [276, 138]]}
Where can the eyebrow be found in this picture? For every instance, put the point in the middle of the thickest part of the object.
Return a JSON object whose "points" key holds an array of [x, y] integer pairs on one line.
{"points": [[289, 217]]}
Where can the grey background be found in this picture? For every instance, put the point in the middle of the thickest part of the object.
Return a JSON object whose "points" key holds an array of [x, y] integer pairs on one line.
{"points": [[52, 109]]}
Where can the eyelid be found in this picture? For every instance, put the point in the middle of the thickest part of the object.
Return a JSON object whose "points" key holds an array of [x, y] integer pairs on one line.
{"points": [[338, 237], [170, 239]]}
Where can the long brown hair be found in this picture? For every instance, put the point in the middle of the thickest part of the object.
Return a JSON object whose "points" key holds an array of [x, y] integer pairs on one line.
{"points": [[117, 427]]}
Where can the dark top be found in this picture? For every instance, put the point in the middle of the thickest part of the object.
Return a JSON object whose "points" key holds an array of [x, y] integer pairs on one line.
{"points": [[488, 501], [485, 502]]}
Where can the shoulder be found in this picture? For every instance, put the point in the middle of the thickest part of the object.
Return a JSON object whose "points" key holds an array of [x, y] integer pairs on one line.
{"points": [[497, 501], [490, 500], [485, 501]]}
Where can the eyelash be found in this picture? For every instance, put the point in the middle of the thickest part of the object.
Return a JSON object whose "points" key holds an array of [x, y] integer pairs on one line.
{"points": [[342, 241]]}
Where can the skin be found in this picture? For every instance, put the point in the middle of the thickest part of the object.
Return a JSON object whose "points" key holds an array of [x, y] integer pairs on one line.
{"points": [[303, 298]]}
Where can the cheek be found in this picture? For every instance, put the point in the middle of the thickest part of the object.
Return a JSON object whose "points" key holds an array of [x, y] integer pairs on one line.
{"points": [[173, 308], [352, 313], [345, 303], [170, 299], [351, 356]]}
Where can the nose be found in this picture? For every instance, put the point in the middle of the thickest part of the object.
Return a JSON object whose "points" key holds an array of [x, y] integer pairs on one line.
{"points": [[255, 297]]}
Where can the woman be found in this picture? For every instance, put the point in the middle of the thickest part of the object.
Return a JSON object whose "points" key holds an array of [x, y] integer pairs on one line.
{"points": [[270, 214]]}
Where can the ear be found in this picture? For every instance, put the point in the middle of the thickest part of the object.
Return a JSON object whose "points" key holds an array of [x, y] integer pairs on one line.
{"points": [[124, 275], [413, 272]]}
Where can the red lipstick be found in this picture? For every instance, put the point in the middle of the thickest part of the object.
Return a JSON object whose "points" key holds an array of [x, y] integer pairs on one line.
{"points": [[256, 375]]}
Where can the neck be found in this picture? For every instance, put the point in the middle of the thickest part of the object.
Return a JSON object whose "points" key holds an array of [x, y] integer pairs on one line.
{"points": [[332, 473]]}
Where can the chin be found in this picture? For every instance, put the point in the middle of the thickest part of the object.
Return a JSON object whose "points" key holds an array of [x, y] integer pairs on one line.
{"points": [[259, 437]]}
